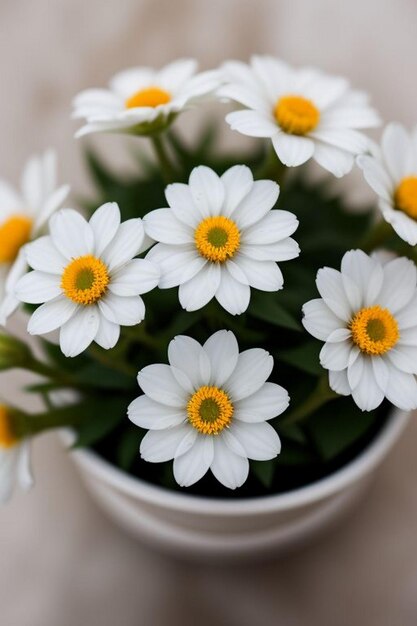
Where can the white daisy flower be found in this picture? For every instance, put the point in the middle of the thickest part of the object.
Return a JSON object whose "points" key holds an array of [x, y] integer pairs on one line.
{"points": [[141, 100], [87, 278], [208, 409], [306, 113], [23, 215], [367, 315], [14, 459], [391, 171], [220, 237]]}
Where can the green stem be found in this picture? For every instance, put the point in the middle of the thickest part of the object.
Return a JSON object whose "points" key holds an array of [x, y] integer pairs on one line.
{"points": [[167, 168], [377, 236], [272, 168], [320, 396], [43, 369], [28, 425], [109, 360], [140, 335]]}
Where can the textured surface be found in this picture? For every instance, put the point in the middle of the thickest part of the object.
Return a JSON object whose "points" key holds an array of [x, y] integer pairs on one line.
{"points": [[61, 562]]}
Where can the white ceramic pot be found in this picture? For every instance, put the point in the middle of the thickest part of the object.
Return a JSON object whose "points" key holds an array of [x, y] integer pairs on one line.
{"points": [[192, 526]]}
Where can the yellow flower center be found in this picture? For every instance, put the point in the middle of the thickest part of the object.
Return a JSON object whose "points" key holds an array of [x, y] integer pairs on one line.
{"points": [[405, 196], [7, 437], [85, 280], [296, 115], [149, 97], [14, 233], [217, 238], [209, 410], [374, 330]]}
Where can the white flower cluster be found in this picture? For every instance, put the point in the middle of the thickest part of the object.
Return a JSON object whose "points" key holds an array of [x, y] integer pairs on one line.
{"points": [[217, 238]]}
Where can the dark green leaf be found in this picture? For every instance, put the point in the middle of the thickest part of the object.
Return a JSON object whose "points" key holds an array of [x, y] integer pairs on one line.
{"points": [[264, 471], [304, 357]]}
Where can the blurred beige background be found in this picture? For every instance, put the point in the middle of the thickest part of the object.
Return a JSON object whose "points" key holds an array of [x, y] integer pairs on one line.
{"points": [[62, 564]]}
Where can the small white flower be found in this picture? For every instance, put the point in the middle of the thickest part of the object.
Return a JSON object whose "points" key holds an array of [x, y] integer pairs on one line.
{"points": [[141, 100], [220, 237], [367, 315], [23, 214], [392, 173], [85, 275], [306, 113], [208, 409], [14, 459]]}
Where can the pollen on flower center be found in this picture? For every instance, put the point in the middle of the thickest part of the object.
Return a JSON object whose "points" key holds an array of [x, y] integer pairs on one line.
{"points": [[405, 196], [8, 439], [85, 280], [148, 97], [217, 238], [374, 330], [14, 233], [209, 410], [296, 115]]}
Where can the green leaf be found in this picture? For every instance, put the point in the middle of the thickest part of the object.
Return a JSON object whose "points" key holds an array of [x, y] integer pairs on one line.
{"points": [[128, 448], [100, 417], [292, 454], [264, 306], [304, 357], [338, 425], [99, 376], [264, 471]]}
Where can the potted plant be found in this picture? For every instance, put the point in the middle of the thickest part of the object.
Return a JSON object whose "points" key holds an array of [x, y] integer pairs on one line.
{"points": [[232, 348]]}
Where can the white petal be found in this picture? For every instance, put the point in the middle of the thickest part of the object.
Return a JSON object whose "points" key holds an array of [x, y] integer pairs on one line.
{"points": [[255, 205], [396, 148], [24, 470], [181, 201], [37, 287], [237, 182], [159, 383], [78, 333], [223, 351], [335, 356], [51, 316], [268, 402], [293, 150], [199, 290], [126, 311], [319, 320], [275, 226], [338, 381], [187, 355], [162, 225], [147, 413], [367, 393], [252, 123], [230, 469], [262, 275], [105, 222], [337, 162], [177, 264], [400, 278], [407, 317], [32, 183], [284, 250], [52, 204], [331, 288], [207, 190], [125, 244], [42, 255], [343, 138], [381, 372], [260, 441], [402, 390], [136, 277], [366, 273], [404, 226], [71, 234], [108, 333], [252, 370], [173, 76], [194, 464], [404, 358], [232, 295], [158, 446], [376, 176]]}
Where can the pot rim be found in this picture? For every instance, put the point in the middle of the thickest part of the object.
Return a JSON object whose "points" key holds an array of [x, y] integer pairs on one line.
{"points": [[345, 476]]}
